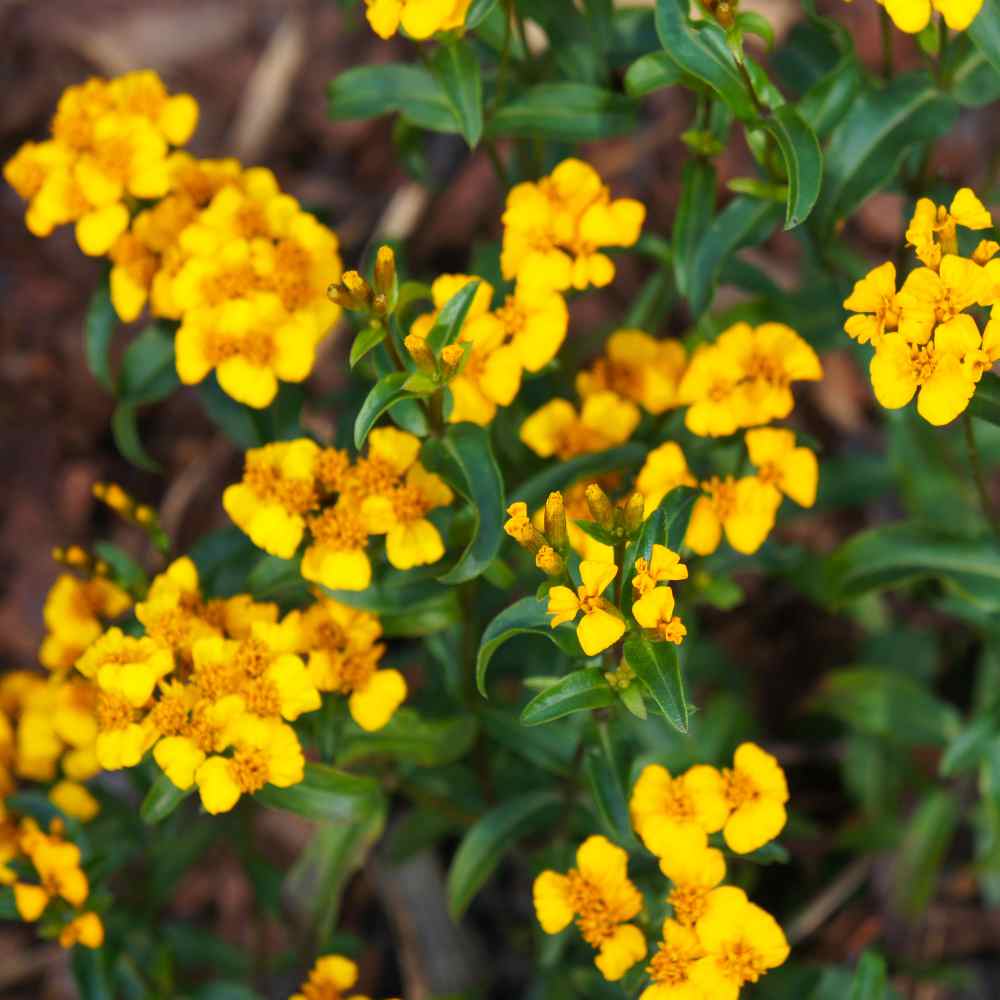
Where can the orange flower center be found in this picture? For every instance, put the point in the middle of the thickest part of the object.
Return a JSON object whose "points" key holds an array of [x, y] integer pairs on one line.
{"points": [[669, 966], [689, 903], [923, 362], [722, 493], [113, 712], [332, 465], [741, 962], [249, 769], [338, 529], [371, 476], [227, 283], [253, 657], [295, 495], [512, 316], [595, 918], [320, 989], [257, 346], [292, 267], [739, 789], [409, 504], [262, 697], [169, 716]]}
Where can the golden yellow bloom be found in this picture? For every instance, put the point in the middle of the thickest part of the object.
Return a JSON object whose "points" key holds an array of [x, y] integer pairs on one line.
{"points": [[74, 800], [73, 612], [638, 367], [329, 979], [976, 363], [126, 666], [675, 815], [929, 298], [670, 968], [173, 612], [875, 303], [756, 791], [742, 942], [932, 230], [277, 491], [694, 873], [664, 469], [122, 739], [336, 556], [601, 626], [418, 18], [605, 420], [535, 320], [554, 229], [791, 470], [57, 865], [663, 566], [519, 527], [654, 611], [86, 930], [744, 508], [599, 895]]}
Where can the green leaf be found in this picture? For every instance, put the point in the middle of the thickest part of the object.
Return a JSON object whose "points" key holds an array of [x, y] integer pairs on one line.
{"points": [[527, 615], [986, 402], [608, 793], [974, 81], [579, 691], [752, 23], [126, 571], [985, 32], [490, 838], [8, 908], [924, 847], [238, 422], [367, 340], [386, 393], [651, 72], [479, 10], [703, 55], [148, 372], [902, 553], [413, 92], [126, 434], [275, 579], [743, 222], [803, 161], [558, 476], [449, 321], [870, 978], [90, 973], [825, 103], [325, 794], [656, 664], [468, 445], [865, 150], [694, 213], [162, 799], [667, 525], [457, 69], [99, 327], [408, 736], [572, 112], [968, 747]]}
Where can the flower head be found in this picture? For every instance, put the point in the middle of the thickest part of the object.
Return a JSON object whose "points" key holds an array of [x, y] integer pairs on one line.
{"points": [[654, 611], [756, 792], [601, 626]]}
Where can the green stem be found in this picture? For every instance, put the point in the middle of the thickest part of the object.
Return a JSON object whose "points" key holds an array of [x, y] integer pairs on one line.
{"points": [[498, 167], [976, 466]]}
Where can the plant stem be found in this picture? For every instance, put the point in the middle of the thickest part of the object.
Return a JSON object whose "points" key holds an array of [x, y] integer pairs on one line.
{"points": [[942, 73], [888, 52], [976, 465], [498, 166]]}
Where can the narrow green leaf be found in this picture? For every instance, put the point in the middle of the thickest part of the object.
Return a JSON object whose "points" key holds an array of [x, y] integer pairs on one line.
{"points": [[386, 393], [99, 327], [162, 799], [90, 973], [825, 104], [490, 838], [479, 10], [751, 23], [743, 222], [694, 213], [148, 373], [572, 112], [803, 161], [412, 91], [925, 845], [967, 749], [457, 69], [8, 908], [985, 32], [126, 434], [703, 54], [608, 793], [449, 322], [986, 402], [408, 736], [656, 664], [533, 491], [367, 340], [651, 72], [527, 615], [325, 794], [870, 978], [579, 691]]}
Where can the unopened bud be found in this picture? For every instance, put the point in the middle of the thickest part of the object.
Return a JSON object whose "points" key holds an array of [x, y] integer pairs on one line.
{"points": [[451, 359], [600, 506], [421, 353], [520, 528], [549, 561], [75, 557], [385, 276], [555, 521], [725, 15], [353, 292], [635, 507], [114, 496]]}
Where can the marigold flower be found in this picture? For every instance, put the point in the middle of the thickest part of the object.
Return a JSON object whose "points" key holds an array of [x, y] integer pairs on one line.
{"points": [[932, 229], [418, 18], [336, 556], [912, 16], [694, 875], [605, 420], [601, 626], [599, 895], [742, 942], [875, 302], [670, 968], [756, 791], [654, 611], [664, 469], [74, 800], [929, 298], [675, 815], [126, 666], [663, 566], [791, 470], [86, 930], [744, 508], [330, 977], [73, 612]]}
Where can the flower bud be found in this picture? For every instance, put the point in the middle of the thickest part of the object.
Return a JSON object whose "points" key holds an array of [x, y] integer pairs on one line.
{"points": [[635, 507], [549, 561], [451, 360], [520, 528], [353, 292], [421, 353], [385, 275], [600, 506], [555, 521], [725, 14]]}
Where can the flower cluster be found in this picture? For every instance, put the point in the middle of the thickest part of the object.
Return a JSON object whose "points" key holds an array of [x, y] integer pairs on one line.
{"points": [[926, 334], [715, 940], [912, 16], [296, 490], [418, 18], [45, 871], [330, 979], [218, 248], [554, 229]]}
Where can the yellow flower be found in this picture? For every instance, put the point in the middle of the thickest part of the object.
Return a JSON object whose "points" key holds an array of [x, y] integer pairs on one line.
{"points": [[126, 666], [265, 751], [654, 611], [675, 815], [57, 864], [671, 965], [554, 229], [663, 566], [745, 508], [875, 303], [756, 791], [535, 318], [122, 740], [601, 625], [74, 800], [599, 895], [932, 230], [929, 298], [86, 930], [73, 612], [638, 367], [742, 942], [792, 470], [710, 389], [418, 18], [173, 612], [664, 469], [982, 360], [329, 979], [336, 556], [933, 370], [605, 420], [277, 490], [694, 875]]}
